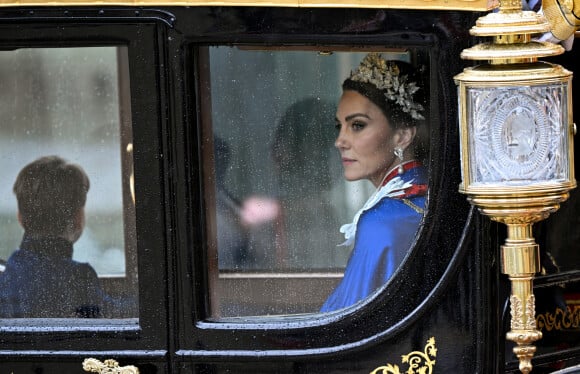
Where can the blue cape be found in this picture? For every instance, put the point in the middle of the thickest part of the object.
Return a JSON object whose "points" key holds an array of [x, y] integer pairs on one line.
{"points": [[383, 237]]}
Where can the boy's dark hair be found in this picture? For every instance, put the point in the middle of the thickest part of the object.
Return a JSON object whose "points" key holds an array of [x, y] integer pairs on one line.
{"points": [[50, 192]]}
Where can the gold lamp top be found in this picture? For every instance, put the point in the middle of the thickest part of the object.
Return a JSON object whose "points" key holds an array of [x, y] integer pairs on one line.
{"points": [[511, 28]]}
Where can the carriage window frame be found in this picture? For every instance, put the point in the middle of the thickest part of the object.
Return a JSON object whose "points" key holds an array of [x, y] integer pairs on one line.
{"points": [[385, 311], [208, 155], [111, 283]]}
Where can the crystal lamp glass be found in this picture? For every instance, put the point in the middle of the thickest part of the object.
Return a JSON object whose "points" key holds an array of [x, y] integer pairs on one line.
{"points": [[516, 134], [517, 137]]}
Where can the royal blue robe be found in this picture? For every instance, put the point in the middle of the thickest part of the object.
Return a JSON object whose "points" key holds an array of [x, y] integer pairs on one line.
{"points": [[384, 235]]}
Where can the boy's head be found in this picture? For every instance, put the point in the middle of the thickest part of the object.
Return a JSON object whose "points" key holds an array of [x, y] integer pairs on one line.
{"points": [[51, 195]]}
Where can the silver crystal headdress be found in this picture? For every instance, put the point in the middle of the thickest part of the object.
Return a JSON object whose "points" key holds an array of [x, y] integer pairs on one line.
{"points": [[385, 75]]}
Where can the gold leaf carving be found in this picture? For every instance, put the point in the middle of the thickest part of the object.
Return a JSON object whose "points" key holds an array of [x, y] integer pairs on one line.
{"points": [[517, 313], [531, 313], [108, 367], [419, 362]]}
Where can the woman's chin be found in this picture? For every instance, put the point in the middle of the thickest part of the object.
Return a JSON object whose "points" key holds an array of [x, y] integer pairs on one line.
{"points": [[351, 178]]}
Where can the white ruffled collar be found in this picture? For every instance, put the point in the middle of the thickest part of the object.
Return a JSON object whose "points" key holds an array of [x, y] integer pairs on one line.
{"points": [[395, 187]]}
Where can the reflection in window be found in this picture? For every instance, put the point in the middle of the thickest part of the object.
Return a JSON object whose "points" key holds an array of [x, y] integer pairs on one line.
{"points": [[280, 191], [66, 103]]}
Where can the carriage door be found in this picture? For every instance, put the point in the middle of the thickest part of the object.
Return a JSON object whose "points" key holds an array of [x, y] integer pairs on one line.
{"points": [[86, 93]]}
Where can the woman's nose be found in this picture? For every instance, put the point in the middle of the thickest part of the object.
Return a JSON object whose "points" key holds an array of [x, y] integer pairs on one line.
{"points": [[341, 141]]}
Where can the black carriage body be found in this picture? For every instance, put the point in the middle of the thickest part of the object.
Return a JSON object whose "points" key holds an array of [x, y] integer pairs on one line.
{"points": [[447, 302]]}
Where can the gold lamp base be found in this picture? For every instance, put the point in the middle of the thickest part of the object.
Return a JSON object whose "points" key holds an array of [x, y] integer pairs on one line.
{"points": [[520, 261], [520, 256]]}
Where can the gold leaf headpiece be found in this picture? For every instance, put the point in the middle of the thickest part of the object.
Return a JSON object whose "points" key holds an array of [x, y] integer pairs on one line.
{"points": [[385, 76]]}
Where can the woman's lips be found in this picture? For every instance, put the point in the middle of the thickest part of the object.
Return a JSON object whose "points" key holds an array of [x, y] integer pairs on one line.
{"points": [[347, 161]]}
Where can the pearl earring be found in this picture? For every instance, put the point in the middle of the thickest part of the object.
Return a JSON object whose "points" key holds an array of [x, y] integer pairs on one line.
{"points": [[399, 153]]}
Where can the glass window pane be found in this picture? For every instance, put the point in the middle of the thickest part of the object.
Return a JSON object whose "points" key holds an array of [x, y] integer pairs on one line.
{"points": [[279, 193], [62, 110]]}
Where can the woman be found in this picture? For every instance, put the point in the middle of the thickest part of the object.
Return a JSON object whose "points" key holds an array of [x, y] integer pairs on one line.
{"points": [[377, 119]]}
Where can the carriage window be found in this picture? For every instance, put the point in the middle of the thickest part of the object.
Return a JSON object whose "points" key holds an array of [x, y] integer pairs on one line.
{"points": [[293, 167], [67, 213]]}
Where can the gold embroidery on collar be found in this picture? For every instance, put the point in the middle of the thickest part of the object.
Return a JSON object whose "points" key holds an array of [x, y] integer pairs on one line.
{"points": [[413, 206]]}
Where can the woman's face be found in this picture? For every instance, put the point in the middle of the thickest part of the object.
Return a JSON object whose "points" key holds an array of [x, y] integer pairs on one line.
{"points": [[366, 140]]}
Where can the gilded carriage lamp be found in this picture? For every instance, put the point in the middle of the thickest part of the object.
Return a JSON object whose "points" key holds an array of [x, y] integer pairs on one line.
{"points": [[516, 147]]}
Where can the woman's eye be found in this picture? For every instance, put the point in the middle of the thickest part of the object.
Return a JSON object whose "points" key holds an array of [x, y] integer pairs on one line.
{"points": [[337, 126], [358, 125]]}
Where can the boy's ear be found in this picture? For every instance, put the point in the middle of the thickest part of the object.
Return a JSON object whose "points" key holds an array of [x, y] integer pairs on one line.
{"points": [[80, 218], [19, 217]]}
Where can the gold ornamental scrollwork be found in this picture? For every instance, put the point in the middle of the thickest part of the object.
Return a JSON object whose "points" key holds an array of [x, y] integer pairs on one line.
{"points": [[93, 365], [560, 319], [419, 362]]}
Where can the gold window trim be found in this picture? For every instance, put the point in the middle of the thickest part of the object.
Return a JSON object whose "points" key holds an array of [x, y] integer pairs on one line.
{"points": [[466, 5]]}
